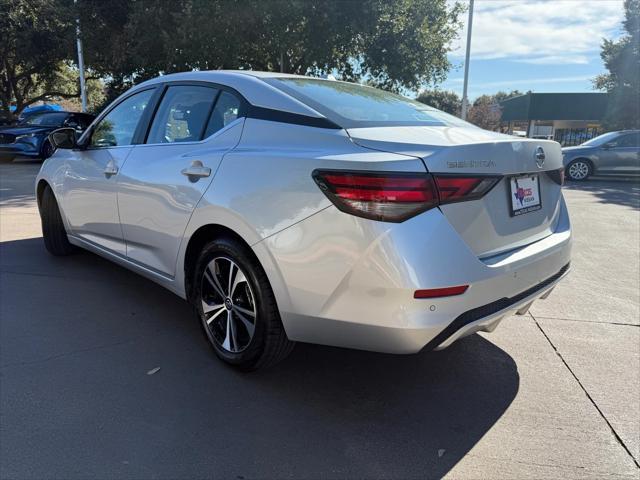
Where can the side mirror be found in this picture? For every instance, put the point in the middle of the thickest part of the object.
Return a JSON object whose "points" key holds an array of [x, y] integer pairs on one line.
{"points": [[609, 145], [63, 138]]}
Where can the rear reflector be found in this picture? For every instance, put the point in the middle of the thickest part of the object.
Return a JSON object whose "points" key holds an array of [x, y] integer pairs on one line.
{"points": [[440, 292], [395, 197]]}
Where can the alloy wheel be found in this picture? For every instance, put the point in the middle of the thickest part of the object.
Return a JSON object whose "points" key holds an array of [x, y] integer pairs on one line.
{"points": [[578, 170], [228, 305]]}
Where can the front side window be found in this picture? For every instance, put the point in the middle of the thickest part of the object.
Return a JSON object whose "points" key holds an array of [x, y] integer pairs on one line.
{"points": [[351, 106], [78, 121], [119, 125], [227, 109], [182, 115], [601, 139]]}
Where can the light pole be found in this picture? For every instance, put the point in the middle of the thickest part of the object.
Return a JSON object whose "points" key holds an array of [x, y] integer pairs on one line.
{"points": [[465, 100], [83, 90]]}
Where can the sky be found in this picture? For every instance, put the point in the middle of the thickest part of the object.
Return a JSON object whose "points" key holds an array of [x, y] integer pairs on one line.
{"points": [[538, 45]]}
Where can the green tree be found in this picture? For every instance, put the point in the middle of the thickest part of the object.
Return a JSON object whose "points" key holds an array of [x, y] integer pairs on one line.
{"points": [[446, 101], [622, 60], [395, 45], [37, 36], [68, 78]]}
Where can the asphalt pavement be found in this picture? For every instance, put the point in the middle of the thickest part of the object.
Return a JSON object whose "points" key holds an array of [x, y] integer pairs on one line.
{"points": [[104, 374]]}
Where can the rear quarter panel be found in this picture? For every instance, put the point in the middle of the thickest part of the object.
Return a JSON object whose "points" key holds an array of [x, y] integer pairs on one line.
{"points": [[264, 185]]}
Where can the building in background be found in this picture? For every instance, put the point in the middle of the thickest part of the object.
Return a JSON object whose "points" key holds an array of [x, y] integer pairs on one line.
{"points": [[568, 118]]}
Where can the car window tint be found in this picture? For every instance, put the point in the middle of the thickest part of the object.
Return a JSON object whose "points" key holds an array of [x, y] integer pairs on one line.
{"points": [[227, 109], [119, 125], [182, 114], [82, 121], [631, 140]]}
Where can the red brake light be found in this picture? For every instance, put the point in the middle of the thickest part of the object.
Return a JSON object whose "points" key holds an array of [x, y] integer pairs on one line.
{"points": [[395, 197], [389, 197]]}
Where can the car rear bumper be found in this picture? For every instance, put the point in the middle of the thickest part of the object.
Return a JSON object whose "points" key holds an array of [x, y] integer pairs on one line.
{"points": [[349, 282]]}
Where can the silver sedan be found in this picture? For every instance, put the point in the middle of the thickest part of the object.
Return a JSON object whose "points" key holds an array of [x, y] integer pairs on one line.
{"points": [[288, 208]]}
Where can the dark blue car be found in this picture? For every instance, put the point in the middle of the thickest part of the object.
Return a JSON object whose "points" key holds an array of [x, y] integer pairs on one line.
{"points": [[30, 138]]}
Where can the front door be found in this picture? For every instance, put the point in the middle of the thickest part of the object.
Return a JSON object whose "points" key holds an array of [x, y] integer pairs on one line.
{"points": [[90, 195], [163, 180]]}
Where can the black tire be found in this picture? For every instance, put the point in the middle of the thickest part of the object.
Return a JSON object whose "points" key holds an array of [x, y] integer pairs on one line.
{"points": [[267, 344], [579, 170], [46, 150], [53, 231]]}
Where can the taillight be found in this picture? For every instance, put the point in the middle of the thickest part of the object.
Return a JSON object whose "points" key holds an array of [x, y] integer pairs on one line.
{"points": [[395, 197], [556, 175], [458, 188], [388, 197]]}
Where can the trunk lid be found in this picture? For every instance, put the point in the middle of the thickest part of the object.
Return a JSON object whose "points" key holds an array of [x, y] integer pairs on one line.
{"points": [[487, 224]]}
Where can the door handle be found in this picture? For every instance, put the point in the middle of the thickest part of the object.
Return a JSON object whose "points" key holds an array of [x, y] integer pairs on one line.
{"points": [[111, 168], [196, 171]]}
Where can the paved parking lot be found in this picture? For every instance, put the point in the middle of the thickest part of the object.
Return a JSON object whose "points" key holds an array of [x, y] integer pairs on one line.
{"points": [[554, 394]]}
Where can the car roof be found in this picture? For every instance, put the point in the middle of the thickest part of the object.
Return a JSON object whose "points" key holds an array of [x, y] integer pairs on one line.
{"points": [[248, 83]]}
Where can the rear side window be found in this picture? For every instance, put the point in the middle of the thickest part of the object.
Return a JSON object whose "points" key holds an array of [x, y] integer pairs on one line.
{"points": [[227, 109], [182, 115], [631, 140], [119, 125]]}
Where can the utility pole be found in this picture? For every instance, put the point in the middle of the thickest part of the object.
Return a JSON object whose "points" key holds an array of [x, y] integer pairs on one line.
{"points": [[83, 90], [465, 100]]}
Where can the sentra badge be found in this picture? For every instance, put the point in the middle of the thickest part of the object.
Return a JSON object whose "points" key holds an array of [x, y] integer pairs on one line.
{"points": [[471, 164]]}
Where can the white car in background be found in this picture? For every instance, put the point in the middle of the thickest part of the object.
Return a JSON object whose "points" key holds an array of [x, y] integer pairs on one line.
{"points": [[287, 208]]}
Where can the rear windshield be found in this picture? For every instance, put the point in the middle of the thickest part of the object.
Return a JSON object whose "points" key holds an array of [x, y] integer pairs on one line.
{"points": [[353, 106]]}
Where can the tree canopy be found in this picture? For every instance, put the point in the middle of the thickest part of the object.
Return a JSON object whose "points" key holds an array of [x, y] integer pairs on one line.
{"points": [[398, 45], [622, 59], [444, 100], [36, 39]]}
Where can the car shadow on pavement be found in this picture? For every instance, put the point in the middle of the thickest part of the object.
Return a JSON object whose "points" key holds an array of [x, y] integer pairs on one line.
{"points": [[81, 339], [621, 191]]}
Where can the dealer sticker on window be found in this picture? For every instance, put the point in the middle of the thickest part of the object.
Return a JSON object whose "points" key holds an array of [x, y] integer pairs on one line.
{"points": [[525, 195]]}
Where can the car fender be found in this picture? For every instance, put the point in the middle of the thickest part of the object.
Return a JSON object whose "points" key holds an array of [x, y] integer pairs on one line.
{"points": [[53, 171]]}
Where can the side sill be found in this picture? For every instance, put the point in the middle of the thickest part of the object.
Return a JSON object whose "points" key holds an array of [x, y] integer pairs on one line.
{"points": [[160, 278]]}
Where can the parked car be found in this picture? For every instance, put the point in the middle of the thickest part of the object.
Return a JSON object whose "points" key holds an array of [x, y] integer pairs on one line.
{"points": [[613, 153], [6, 118], [49, 107], [288, 208], [30, 138]]}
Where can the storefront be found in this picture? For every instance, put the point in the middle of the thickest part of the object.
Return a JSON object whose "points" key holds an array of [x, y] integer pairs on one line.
{"points": [[568, 118]]}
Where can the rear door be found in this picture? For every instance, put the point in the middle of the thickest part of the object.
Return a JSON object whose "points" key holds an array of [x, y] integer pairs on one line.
{"points": [[164, 179]]}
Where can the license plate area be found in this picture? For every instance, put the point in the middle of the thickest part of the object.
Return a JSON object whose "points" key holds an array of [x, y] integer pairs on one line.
{"points": [[524, 194]]}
